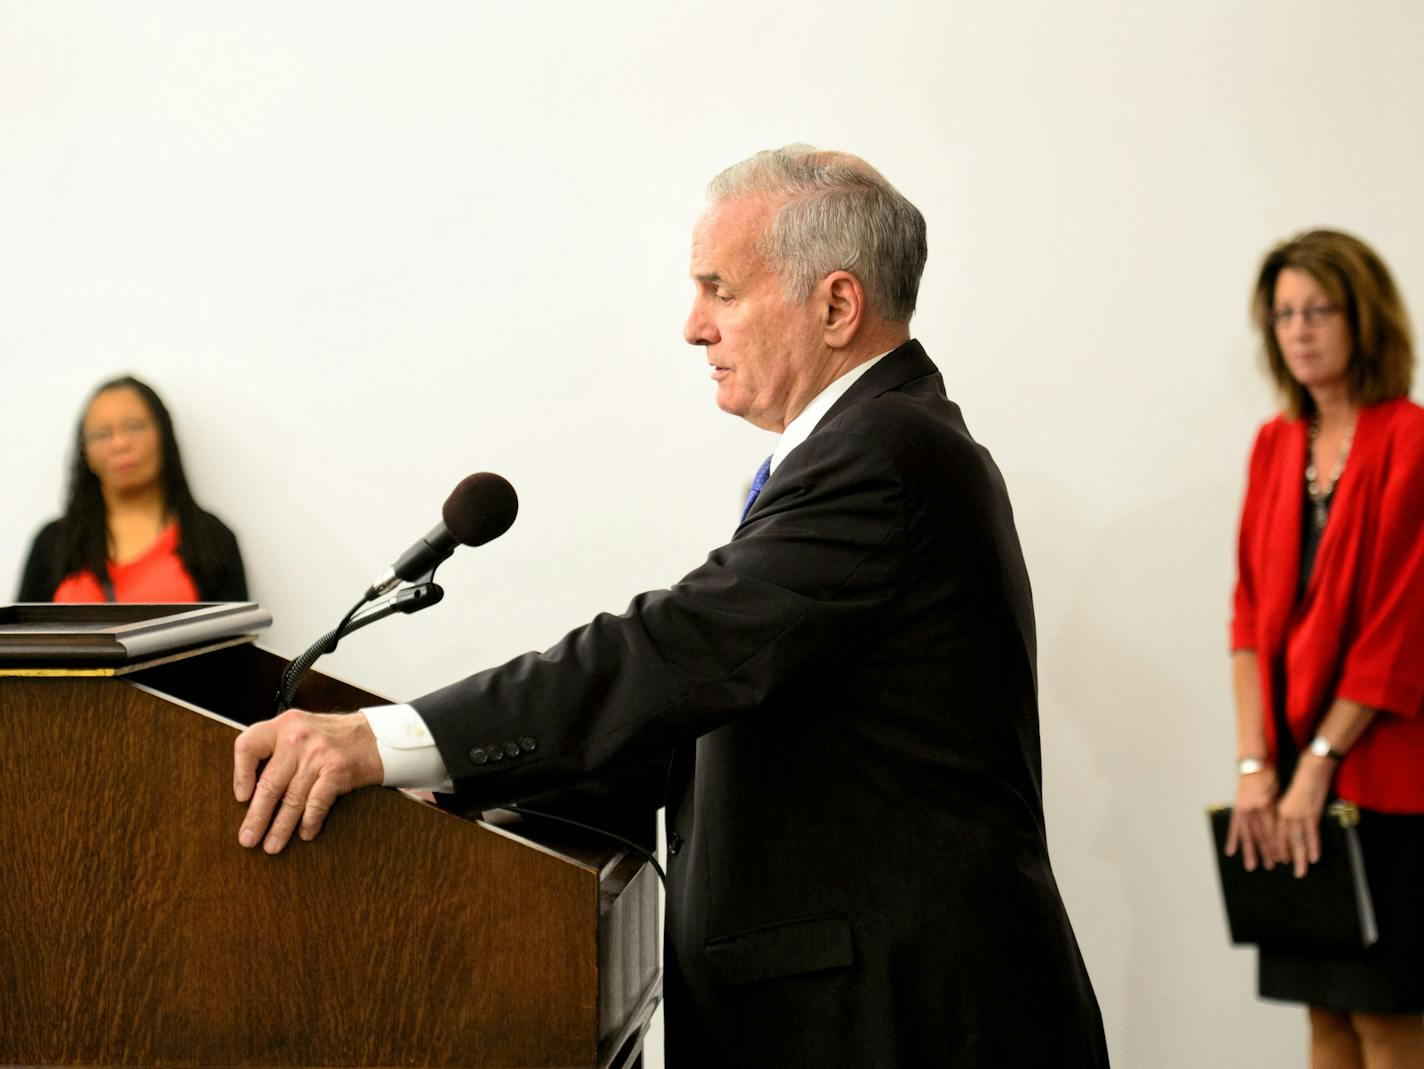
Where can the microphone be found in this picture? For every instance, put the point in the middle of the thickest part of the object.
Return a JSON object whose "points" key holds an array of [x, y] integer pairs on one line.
{"points": [[480, 509], [477, 511]]}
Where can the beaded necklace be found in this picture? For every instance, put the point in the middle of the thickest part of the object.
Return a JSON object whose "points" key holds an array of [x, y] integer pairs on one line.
{"points": [[1320, 496]]}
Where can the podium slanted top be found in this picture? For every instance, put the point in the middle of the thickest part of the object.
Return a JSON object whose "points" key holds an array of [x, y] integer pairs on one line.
{"points": [[115, 639]]}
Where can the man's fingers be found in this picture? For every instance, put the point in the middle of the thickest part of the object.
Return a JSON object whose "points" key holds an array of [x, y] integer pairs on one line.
{"points": [[250, 749], [311, 760], [319, 802], [271, 740], [289, 812], [266, 796]]}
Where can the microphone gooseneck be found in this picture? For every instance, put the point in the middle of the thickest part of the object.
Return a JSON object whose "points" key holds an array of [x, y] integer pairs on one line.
{"points": [[480, 509]]}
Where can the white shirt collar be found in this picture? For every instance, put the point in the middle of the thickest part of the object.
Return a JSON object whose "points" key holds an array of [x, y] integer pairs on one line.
{"points": [[800, 428]]}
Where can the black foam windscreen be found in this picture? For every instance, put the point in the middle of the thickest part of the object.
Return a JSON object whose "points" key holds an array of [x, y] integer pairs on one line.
{"points": [[481, 508]]}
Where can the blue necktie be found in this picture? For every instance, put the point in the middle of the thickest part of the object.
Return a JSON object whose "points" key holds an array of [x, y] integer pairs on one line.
{"points": [[763, 473]]}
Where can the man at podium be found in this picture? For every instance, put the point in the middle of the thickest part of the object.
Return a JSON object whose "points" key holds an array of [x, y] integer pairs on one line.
{"points": [[842, 697]]}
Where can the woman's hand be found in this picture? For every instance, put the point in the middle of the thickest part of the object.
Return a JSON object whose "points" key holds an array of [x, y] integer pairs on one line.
{"points": [[1298, 815], [1253, 821]]}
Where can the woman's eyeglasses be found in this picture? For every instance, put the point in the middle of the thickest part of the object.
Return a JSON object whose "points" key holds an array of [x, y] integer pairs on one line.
{"points": [[129, 428], [1313, 315]]}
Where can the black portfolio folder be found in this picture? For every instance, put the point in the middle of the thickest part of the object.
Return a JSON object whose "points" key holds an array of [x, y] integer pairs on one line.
{"points": [[1327, 908]]}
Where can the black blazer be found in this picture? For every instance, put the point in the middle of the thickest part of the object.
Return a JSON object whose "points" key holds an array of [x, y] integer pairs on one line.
{"points": [[42, 574], [858, 870]]}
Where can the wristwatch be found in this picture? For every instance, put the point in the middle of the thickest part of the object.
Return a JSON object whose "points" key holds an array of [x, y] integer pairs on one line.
{"points": [[1320, 747]]}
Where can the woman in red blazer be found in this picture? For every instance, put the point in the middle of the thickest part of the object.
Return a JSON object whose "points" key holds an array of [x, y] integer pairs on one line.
{"points": [[1328, 633]]}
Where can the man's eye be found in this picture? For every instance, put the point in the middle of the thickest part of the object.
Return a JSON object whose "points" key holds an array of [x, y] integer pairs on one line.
{"points": [[725, 298]]}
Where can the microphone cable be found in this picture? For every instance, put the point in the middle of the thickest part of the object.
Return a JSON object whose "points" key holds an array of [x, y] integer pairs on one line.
{"points": [[645, 854]]}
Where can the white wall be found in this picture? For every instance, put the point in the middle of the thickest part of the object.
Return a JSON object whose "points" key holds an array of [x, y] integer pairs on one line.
{"points": [[366, 248]]}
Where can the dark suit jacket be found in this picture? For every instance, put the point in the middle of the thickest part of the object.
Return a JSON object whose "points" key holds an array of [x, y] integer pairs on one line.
{"points": [[858, 870]]}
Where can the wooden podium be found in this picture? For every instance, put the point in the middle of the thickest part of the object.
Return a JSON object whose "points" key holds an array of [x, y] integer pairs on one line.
{"points": [[135, 931]]}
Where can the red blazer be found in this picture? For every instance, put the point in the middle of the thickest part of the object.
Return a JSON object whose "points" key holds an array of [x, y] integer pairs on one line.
{"points": [[1358, 632]]}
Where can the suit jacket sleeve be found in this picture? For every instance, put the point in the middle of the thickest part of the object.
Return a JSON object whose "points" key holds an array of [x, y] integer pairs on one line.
{"points": [[813, 564]]}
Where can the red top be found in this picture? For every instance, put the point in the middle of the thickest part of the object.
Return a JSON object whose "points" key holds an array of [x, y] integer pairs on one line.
{"points": [[1358, 632], [156, 575]]}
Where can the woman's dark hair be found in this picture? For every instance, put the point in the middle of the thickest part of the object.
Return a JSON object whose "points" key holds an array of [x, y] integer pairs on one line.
{"points": [[84, 530], [1355, 278]]}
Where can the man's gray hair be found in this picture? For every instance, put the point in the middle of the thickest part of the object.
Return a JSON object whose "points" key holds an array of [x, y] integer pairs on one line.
{"points": [[840, 214]]}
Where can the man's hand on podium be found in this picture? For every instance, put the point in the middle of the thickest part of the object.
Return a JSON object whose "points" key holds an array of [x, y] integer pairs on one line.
{"points": [[312, 759]]}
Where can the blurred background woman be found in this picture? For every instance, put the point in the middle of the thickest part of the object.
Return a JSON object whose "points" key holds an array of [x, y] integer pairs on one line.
{"points": [[1328, 633], [131, 530]]}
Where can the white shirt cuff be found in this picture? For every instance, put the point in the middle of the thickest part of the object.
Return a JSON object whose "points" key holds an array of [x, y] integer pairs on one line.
{"points": [[408, 753]]}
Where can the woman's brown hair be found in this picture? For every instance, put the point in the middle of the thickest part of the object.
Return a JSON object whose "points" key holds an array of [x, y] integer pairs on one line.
{"points": [[1381, 351]]}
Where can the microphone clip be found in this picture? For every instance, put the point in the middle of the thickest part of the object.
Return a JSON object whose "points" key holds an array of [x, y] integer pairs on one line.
{"points": [[422, 594], [388, 580]]}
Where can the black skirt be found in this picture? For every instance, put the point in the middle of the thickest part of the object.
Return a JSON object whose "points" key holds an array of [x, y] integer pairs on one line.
{"points": [[1389, 976]]}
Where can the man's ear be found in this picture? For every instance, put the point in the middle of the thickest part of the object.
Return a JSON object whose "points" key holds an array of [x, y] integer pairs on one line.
{"points": [[842, 308]]}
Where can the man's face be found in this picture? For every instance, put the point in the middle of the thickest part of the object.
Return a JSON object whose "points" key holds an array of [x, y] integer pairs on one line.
{"points": [[768, 357]]}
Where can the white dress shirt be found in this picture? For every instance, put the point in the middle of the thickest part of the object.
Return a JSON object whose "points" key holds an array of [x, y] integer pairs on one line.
{"points": [[800, 428]]}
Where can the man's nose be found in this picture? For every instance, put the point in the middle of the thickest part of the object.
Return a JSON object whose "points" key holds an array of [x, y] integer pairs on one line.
{"points": [[698, 330]]}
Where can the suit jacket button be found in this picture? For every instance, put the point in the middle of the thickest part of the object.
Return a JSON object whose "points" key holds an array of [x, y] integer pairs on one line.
{"points": [[511, 748], [674, 843], [494, 753], [478, 755], [526, 743]]}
